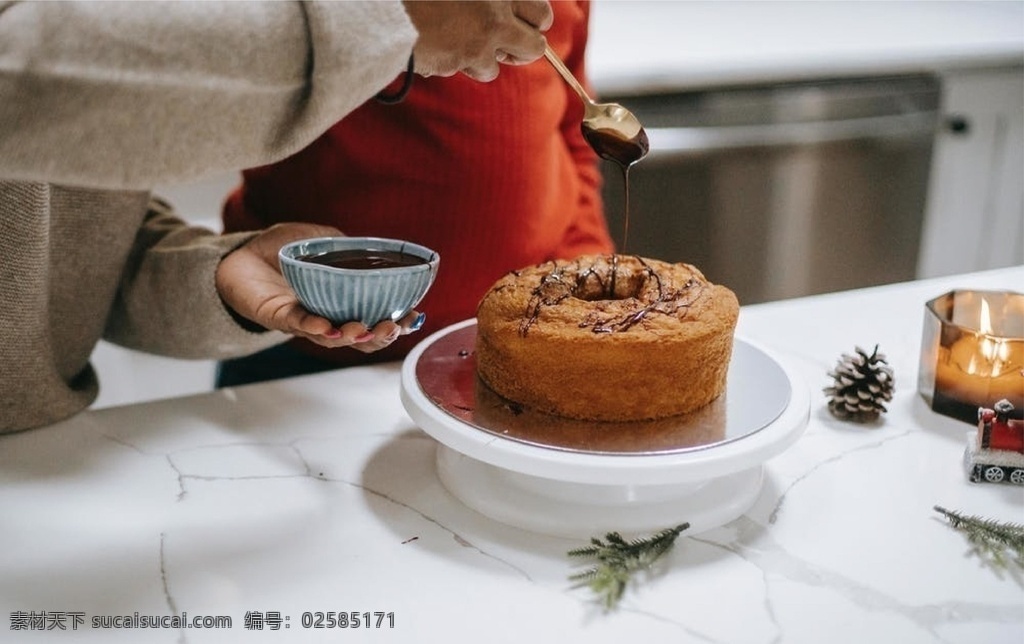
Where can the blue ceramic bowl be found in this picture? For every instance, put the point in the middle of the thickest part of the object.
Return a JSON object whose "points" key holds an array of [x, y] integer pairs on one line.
{"points": [[364, 294]]}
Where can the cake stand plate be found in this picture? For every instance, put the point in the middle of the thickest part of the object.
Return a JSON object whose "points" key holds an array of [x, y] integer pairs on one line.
{"points": [[578, 478]]}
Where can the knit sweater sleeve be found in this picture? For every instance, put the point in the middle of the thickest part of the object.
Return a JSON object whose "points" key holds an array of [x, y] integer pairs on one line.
{"points": [[167, 302], [127, 95]]}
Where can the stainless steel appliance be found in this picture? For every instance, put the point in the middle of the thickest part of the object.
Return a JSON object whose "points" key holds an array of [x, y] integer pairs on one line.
{"points": [[782, 190]]}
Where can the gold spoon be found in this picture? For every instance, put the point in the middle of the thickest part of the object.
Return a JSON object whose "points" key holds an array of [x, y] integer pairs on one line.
{"points": [[612, 130]]}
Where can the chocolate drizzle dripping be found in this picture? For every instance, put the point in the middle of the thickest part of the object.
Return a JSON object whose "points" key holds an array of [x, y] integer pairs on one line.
{"points": [[551, 290], [651, 296]]}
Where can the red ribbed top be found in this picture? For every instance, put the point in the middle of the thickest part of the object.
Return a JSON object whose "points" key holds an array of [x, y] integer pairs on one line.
{"points": [[493, 176]]}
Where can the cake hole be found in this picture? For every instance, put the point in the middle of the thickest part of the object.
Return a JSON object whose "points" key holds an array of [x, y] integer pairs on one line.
{"points": [[626, 286]]}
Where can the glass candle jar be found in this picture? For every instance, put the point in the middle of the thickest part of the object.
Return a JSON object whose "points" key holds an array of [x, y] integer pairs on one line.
{"points": [[972, 352]]}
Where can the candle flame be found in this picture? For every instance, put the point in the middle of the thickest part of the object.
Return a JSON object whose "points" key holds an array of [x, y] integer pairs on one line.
{"points": [[995, 353], [985, 324]]}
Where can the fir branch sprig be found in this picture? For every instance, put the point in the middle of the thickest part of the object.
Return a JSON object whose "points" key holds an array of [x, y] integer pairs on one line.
{"points": [[618, 559], [991, 539]]}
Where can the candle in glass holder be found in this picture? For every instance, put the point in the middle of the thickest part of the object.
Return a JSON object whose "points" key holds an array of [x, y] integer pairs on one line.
{"points": [[972, 352]]}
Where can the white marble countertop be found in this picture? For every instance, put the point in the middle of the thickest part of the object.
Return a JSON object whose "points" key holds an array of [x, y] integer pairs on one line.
{"points": [[642, 46], [320, 494]]}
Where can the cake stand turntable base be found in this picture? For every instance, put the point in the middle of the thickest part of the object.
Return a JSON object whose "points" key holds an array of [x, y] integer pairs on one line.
{"points": [[584, 510], [582, 480]]}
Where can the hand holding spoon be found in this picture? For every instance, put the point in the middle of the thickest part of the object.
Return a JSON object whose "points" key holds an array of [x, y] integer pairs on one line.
{"points": [[612, 130]]}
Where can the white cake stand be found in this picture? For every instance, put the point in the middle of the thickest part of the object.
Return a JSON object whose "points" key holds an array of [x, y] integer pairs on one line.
{"points": [[575, 479]]}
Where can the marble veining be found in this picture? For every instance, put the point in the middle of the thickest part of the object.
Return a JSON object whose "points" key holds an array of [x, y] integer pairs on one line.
{"points": [[320, 494]]}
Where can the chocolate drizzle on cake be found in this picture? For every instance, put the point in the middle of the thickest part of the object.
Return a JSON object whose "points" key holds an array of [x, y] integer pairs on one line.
{"points": [[641, 293]]}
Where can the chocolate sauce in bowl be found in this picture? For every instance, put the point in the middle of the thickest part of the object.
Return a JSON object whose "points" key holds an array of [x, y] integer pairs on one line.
{"points": [[363, 259]]}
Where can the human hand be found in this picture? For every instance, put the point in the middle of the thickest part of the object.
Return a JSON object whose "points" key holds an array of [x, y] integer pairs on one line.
{"points": [[249, 281], [475, 36]]}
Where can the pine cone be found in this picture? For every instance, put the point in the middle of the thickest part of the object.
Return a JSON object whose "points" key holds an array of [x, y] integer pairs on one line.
{"points": [[862, 384]]}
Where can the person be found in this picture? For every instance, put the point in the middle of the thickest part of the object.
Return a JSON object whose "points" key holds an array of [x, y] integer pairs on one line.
{"points": [[493, 178], [99, 101]]}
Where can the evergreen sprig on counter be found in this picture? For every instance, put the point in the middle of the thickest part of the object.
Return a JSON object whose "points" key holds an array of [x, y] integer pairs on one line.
{"points": [[618, 559], [991, 539]]}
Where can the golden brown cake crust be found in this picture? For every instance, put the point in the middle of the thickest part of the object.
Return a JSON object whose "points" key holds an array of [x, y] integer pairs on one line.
{"points": [[606, 337]]}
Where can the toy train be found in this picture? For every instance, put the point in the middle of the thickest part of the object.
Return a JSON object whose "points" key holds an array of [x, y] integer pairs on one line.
{"points": [[995, 452]]}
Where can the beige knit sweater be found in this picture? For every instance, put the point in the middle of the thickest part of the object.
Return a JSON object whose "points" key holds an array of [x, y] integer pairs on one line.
{"points": [[101, 100]]}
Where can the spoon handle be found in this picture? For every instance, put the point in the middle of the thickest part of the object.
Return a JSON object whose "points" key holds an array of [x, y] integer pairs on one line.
{"points": [[557, 63]]}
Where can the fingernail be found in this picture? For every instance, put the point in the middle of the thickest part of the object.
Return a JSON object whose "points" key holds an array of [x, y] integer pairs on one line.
{"points": [[393, 336], [366, 337], [417, 324], [333, 333]]}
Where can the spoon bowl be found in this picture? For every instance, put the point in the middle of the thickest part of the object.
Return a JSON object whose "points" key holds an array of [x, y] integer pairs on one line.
{"points": [[611, 130]]}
